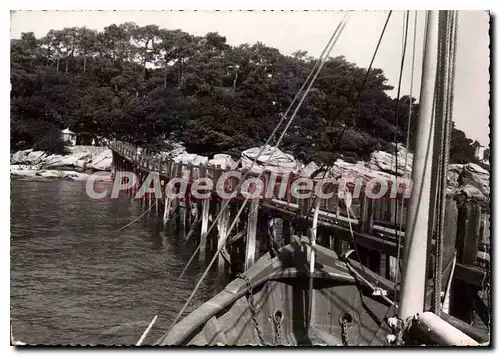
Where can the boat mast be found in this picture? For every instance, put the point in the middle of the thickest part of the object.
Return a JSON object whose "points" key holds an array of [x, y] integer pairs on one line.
{"points": [[415, 255]]}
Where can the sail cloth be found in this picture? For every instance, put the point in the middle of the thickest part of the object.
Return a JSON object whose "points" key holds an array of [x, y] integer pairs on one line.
{"points": [[277, 161]]}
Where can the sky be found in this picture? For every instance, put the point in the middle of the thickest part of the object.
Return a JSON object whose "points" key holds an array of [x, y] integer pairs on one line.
{"points": [[310, 30]]}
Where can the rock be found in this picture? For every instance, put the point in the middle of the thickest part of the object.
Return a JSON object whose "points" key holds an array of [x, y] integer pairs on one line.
{"points": [[76, 176], [69, 175], [453, 174], [194, 159], [223, 160], [103, 161], [176, 150], [81, 164], [386, 162], [30, 172], [357, 170], [308, 170], [20, 156], [35, 157], [22, 170], [475, 176], [471, 191], [79, 157], [278, 162], [102, 176]]}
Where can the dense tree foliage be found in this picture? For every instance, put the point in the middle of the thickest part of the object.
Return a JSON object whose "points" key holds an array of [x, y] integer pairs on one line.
{"points": [[146, 84]]}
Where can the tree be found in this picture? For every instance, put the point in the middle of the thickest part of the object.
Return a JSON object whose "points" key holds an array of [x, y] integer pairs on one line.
{"points": [[144, 84], [461, 147]]}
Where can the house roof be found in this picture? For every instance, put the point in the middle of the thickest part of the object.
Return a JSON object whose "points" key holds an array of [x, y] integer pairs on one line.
{"points": [[68, 131]]}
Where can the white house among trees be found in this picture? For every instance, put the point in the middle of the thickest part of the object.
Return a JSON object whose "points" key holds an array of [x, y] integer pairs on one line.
{"points": [[69, 136]]}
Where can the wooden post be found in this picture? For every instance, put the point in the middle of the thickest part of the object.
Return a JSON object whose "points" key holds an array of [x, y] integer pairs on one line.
{"points": [[275, 228], [366, 215], [205, 212], [393, 268], [169, 199], [286, 231], [222, 223], [469, 219], [263, 238], [305, 205], [383, 265], [222, 227], [183, 207], [450, 235], [141, 181], [331, 242], [179, 202], [251, 246], [463, 294]]}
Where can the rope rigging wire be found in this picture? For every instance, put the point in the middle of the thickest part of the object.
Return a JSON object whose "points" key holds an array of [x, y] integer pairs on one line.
{"points": [[405, 172], [444, 109], [439, 74], [322, 61], [406, 20], [410, 233], [283, 117], [358, 97], [356, 102]]}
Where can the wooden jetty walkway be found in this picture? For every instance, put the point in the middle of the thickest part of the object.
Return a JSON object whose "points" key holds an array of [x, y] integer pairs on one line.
{"points": [[269, 222]]}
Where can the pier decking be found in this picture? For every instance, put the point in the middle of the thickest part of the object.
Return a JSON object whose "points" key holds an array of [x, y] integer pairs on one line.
{"points": [[268, 222]]}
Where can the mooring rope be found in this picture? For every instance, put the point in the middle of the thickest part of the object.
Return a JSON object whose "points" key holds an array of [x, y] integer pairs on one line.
{"points": [[136, 219]]}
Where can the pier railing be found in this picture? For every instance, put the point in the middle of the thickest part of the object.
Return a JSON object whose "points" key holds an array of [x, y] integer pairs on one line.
{"points": [[375, 224]]}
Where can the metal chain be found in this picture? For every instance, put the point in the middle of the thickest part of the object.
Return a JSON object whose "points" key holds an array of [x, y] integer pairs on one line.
{"points": [[345, 339], [345, 320], [278, 320], [252, 306]]}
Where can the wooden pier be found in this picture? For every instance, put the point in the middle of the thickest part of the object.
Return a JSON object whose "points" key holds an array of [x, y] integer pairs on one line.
{"points": [[267, 223]]}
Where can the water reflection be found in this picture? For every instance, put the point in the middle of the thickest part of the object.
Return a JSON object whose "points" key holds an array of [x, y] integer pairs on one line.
{"points": [[75, 279]]}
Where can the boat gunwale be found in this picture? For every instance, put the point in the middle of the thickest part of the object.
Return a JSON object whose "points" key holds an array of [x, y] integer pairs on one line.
{"points": [[264, 270]]}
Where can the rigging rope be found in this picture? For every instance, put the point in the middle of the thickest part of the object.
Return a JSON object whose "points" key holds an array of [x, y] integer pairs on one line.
{"points": [[329, 48], [283, 117], [405, 172], [444, 90], [406, 20], [133, 221], [356, 102], [398, 99], [366, 76]]}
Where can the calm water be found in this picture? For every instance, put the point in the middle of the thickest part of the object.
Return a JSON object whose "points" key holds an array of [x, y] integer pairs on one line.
{"points": [[75, 280]]}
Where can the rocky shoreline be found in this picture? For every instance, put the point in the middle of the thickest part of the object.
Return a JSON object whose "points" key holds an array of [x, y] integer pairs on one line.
{"points": [[81, 161], [77, 165]]}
